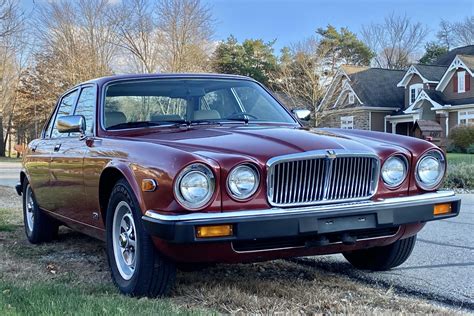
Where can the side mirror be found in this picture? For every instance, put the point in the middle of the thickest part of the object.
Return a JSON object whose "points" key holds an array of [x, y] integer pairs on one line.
{"points": [[304, 115], [72, 124]]}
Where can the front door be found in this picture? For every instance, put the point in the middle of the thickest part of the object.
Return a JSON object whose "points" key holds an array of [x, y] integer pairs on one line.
{"points": [[67, 163]]}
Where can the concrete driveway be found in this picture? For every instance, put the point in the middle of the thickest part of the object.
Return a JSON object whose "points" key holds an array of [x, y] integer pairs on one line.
{"points": [[9, 173], [441, 266]]}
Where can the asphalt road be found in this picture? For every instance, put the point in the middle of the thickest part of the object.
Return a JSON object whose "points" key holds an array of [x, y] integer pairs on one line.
{"points": [[9, 173], [441, 266]]}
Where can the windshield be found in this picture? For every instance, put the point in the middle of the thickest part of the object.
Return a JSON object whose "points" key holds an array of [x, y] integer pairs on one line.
{"points": [[151, 102]]}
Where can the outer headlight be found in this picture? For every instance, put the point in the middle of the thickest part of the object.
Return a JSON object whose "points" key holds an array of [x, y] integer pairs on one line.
{"points": [[242, 181], [394, 171], [430, 170], [194, 186]]}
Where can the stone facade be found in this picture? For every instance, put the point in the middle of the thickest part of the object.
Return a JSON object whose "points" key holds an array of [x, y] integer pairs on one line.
{"points": [[361, 119]]}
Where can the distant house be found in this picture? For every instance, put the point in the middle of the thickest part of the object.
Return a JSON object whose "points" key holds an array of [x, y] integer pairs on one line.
{"points": [[394, 100]]}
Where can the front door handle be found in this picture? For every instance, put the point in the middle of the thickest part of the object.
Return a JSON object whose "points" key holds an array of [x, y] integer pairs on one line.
{"points": [[57, 147]]}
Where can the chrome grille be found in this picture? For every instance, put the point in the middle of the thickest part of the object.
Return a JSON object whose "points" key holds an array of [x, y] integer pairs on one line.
{"points": [[321, 178]]}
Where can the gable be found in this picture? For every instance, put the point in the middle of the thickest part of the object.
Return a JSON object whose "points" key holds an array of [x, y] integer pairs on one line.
{"points": [[457, 64]]}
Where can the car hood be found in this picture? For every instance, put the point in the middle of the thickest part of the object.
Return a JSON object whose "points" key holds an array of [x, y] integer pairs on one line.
{"points": [[259, 142]]}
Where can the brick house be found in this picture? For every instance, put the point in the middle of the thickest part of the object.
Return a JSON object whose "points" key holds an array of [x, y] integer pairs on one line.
{"points": [[394, 100]]}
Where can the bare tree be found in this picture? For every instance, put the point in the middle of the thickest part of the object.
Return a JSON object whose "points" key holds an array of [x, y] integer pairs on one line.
{"points": [[395, 41], [80, 35], [454, 34], [11, 47], [138, 34], [187, 28]]}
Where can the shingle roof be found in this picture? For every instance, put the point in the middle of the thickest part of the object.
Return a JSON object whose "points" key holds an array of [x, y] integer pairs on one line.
{"points": [[436, 96], [427, 125], [431, 72], [447, 59], [377, 87]]}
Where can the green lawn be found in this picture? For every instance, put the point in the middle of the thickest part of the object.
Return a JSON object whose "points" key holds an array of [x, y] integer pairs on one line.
{"points": [[8, 159], [454, 158]]}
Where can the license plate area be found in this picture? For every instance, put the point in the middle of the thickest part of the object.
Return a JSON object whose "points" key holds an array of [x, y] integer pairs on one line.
{"points": [[336, 224]]}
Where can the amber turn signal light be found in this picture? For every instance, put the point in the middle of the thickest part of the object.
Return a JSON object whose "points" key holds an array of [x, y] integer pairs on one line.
{"points": [[441, 209], [148, 185], [214, 231]]}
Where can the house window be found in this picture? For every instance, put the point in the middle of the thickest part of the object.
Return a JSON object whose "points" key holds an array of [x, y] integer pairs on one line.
{"points": [[351, 98], [466, 117], [461, 81], [347, 122], [415, 90]]}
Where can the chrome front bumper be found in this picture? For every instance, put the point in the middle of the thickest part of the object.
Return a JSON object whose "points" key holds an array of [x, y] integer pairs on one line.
{"points": [[320, 219]]}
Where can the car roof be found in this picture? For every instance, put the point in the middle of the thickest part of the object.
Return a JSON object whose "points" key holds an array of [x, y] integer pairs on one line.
{"points": [[103, 80]]}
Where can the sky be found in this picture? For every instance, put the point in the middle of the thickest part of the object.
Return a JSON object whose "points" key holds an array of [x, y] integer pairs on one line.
{"points": [[289, 21]]}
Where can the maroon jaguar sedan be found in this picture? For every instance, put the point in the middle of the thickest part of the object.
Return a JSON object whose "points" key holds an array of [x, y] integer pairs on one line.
{"points": [[176, 170]]}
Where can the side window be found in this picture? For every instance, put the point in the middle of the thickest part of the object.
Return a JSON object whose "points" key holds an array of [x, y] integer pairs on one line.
{"points": [[65, 108], [86, 107]]}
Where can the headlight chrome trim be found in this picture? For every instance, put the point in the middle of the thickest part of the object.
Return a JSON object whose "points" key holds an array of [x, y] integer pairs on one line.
{"points": [[407, 171], [254, 190], [202, 169], [442, 160]]}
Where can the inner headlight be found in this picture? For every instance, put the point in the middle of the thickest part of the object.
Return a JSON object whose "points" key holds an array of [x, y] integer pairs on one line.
{"points": [[194, 186], [430, 170], [243, 181], [394, 171]]}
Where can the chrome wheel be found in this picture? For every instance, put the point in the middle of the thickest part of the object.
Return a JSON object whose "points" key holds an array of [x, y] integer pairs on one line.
{"points": [[124, 240], [30, 207]]}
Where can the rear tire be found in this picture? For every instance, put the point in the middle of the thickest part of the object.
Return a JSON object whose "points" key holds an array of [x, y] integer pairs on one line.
{"points": [[136, 266], [382, 258], [39, 227]]}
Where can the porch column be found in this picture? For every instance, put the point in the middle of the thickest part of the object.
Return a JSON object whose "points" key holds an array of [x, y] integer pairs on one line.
{"points": [[394, 128]]}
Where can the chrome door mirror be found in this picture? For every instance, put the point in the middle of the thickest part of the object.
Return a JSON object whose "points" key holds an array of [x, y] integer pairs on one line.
{"points": [[71, 124], [302, 114]]}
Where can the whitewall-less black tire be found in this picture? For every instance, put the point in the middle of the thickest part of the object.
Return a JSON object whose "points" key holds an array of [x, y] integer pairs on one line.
{"points": [[137, 268]]}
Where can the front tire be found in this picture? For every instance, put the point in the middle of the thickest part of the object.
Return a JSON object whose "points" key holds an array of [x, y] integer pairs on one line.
{"points": [[136, 266], [382, 258], [39, 227]]}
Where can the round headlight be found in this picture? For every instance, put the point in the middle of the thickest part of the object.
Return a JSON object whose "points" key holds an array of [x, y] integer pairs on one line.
{"points": [[430, 170], [194, 186], [394, 171], [243, 181]]}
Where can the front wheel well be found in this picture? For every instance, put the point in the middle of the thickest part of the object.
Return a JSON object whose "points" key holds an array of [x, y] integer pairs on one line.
{"points": [[108, 178]]}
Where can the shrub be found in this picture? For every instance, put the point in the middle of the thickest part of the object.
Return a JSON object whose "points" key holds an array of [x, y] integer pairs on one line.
{"points": [[451, 148], [470, 149], [462, 136], [460, 176]]}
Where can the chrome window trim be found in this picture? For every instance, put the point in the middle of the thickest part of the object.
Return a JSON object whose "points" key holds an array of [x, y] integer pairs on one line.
{"points": [[406, 201], [330, 155]]}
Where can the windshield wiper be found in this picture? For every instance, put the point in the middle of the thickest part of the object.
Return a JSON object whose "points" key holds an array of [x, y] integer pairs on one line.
{"points": [[145, 124], [202, 122]]}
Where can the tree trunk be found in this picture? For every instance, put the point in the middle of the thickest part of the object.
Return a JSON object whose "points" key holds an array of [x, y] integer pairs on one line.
{"points": [[2, 142]]}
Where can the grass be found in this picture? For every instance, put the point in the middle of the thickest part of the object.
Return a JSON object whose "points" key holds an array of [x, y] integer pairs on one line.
{"points": [[8, 159], [456, 158], [61, 298]]}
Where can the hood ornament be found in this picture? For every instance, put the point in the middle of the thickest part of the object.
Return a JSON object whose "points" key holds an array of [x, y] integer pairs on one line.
{"points": [[331, 154]]}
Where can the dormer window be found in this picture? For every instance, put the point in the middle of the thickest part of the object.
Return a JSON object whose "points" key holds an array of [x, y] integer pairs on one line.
{"points": [[415, 90], [461, 81], [351, 98]]}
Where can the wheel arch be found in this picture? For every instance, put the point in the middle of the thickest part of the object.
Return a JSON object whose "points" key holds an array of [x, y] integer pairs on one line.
{"points": [[108, 178]]}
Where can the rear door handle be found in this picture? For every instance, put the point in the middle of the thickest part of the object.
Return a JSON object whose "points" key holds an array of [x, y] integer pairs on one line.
{"points": [[57, 147]]}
